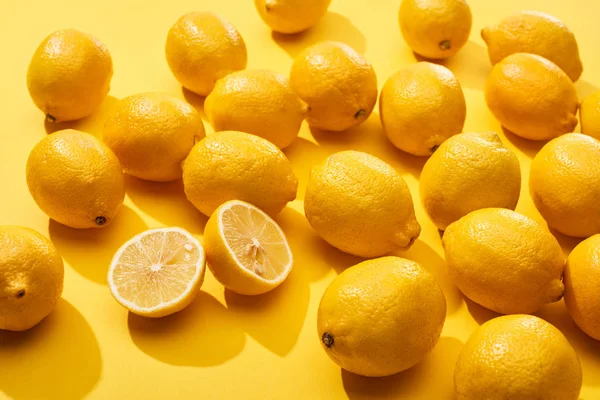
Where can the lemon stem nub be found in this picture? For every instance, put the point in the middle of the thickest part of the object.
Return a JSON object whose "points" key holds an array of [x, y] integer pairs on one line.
{"points": [[445, 45], [100, 221], [327, 339], [21, 294], [360, 114], [50, 118]]}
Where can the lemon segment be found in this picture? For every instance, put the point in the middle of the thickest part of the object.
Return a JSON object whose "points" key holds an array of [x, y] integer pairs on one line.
{"points": [[158, 272], [247, 251]]}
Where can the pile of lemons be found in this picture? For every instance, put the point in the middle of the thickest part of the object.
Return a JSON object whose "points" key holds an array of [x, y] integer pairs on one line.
{"points": [[383, 315]]}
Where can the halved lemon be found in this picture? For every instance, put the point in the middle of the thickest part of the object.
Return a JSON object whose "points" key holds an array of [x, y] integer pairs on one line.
{"points": [[246, 250], [158, 272]]}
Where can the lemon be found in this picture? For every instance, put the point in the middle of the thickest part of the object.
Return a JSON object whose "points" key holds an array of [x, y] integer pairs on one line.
{"points": [[152, 133], [435, 28], [259, 102], [468, 172], [517, 357], [360, 205], [532, 97], [69, 75], [238, 166], [31, 278], [247, 251], [337, 83], [504, 261], [76, 179], [537, 33], [589, 114], [421, 106], [203, 47], [381, 316], [582, 279], [564, 183], [158, 272], [291, 16]]}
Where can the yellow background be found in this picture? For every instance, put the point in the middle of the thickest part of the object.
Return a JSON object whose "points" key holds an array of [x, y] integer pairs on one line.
{"points": [[226, 346]]}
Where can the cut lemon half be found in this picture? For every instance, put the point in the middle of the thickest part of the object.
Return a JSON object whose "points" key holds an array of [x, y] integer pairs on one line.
{"points": [[158, 272], [246, 250]]}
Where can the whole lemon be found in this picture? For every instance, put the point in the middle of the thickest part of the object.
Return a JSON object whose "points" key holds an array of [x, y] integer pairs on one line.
{"points": [[69, 75], [582, 280], [435, 28], [360, 205], [381, 316], [517, 357], [537, 33], [504, 261], [31, 278], [291, 16], [468, 172], [589, 114], [76, 179], [421, 106], [203, 47], [238, 166], [532, 97], [564, 182], [337, 83], [259, 102], [152, 133]]}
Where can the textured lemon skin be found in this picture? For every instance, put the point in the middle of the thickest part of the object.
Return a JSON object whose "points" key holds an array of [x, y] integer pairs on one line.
{"points": [[31, 278], [564, 182], [421, 106], [152, 133], [238, 166], [76, 179], [468, 172], [223, 265], [537, 33], [381, 317], [203, 47], [69, 75], [435, 29], [589, 115], [504, 261], [291, 16], [517, 357], [338, 84], [582, 283], [259, 102], [360, 205], [532, 97]]}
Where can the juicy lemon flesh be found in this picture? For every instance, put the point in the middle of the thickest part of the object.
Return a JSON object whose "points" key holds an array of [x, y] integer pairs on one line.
{"points": [[157, 269], [256, 242]]}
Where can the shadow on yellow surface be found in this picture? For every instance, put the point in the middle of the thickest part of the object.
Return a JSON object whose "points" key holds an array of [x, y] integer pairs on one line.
{"points": [[204, 334], [567, 243], [479, 313], [470, 65], [316, 264], [165, 202], [196, 101], [333, 26], [528, 147], [431, 379], [421, 253], [303, 155], [587, 348], [59, 359], [93, 124], [90, 251], [370, 138]]}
